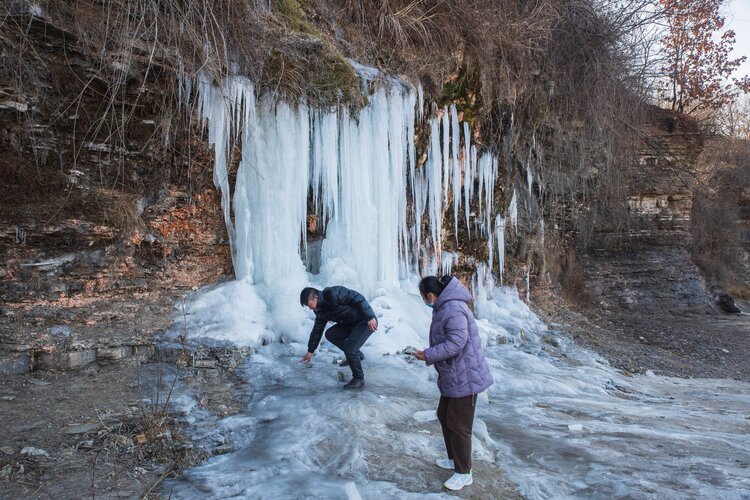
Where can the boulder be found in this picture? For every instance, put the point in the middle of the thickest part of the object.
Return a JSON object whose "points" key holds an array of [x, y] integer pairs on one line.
{"points": [[726, 303]]}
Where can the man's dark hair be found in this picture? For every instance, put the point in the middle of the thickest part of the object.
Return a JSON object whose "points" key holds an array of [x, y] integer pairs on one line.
{"points": [[306, 294], [433, 284]]}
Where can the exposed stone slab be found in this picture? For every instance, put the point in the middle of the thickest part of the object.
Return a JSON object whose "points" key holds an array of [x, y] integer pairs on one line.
{"points": [[82, 428], [143, 352], [171, 352], [107, 355], [71, 360], [17, 363], [205, 363], [14, 363]]}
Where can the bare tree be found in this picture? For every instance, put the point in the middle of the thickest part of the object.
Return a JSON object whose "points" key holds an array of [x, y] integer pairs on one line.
{"points": [[698, 65], [733, 119]]}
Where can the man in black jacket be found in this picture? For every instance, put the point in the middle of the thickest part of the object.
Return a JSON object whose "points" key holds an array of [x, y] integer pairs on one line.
{"points": [[355, 321]]}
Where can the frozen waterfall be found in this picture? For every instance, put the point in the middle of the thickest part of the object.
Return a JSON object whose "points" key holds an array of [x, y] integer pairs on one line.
{"points": [[360, 170]]}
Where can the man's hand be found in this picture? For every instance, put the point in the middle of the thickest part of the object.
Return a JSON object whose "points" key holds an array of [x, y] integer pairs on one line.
{"points": [[373, 324], [419, 355], [306, 358]]}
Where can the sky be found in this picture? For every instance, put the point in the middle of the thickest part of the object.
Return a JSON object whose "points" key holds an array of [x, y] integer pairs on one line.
{"points": [[738, 19]]}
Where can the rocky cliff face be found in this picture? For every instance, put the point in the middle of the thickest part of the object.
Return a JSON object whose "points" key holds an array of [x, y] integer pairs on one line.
{"points": [[103, 220], [645, 261]]}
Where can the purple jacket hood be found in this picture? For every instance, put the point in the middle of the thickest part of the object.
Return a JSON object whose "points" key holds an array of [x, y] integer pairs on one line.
{"points": [[455, 347]]}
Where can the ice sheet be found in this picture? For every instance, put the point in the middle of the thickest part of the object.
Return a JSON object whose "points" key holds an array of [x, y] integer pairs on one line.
{"points": [[559, 421]]}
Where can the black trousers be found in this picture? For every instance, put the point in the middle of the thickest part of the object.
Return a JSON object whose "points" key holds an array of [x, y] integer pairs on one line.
{"points": [[350, 340], [456, 416]]}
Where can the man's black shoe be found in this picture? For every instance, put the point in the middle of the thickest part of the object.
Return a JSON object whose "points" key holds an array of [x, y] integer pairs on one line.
{"points": [[355, 383]]}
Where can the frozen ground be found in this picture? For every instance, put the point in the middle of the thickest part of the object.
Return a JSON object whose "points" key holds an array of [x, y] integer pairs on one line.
{"points": [[559, 422]]}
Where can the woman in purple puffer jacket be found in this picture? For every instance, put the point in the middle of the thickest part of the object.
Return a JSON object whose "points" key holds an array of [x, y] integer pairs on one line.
{"points": [[456, 351]]}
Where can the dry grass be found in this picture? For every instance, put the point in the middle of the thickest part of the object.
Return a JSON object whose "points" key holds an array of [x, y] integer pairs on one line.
{"points": [[118, 209]]}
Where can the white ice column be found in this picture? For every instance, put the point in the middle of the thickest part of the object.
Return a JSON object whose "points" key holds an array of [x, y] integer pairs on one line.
{"points": [[433, 172], [456, 166], [487, 170], [269, 201], [500, 238], [368, 231], [513, 209], [271, 192], [468, 175], [325, 174], [216, 109]]}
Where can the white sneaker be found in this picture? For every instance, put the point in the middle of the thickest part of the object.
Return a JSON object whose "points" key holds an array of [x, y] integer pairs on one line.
{"points": [[458, 481], [445, 463]]}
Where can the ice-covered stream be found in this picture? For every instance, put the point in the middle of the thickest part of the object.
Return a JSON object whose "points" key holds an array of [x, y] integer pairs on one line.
{"points": [[559, 422]]}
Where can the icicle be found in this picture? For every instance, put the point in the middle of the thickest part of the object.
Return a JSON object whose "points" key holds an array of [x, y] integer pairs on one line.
{"points": [[357, 170], [513, 209], [410, 131], [474, 167], [482, 180], [352, 235], [490, 250], [446, 154], [244, 262], [419, 196], [447, 261], [271, 192], [433, 167], [400, 110], [541, 231], [324, 176], [468, 176], [420, 102], [529, 177], [487, 169], [456, 180], [215, 110], [528, 285], [369, 232], [500, 237], [407, 140]]}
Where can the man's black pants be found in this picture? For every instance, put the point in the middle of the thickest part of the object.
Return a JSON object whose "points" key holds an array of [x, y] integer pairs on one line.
{"points": [[350, 340], [456, 416]]}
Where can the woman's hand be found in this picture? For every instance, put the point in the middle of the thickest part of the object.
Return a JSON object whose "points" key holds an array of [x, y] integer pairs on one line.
{"points": [[307, 358], [373, 324], [419, 355]]}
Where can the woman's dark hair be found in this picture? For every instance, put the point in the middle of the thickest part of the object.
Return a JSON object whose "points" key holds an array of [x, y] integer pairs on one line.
{"points": [[433, 284]]}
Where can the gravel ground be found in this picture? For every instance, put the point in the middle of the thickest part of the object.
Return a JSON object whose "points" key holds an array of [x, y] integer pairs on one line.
{"points": [[690, 345]]}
